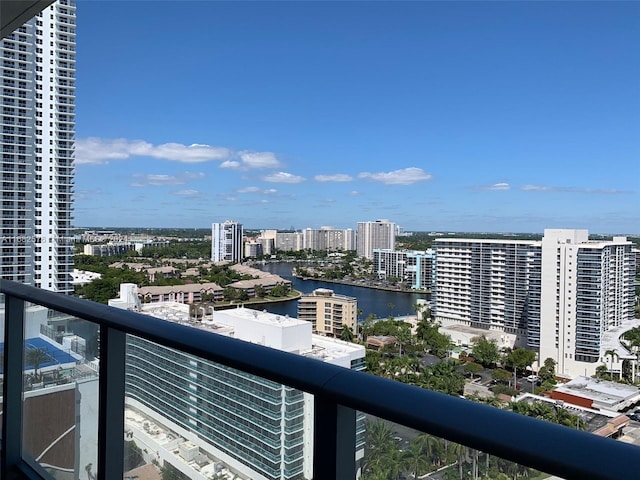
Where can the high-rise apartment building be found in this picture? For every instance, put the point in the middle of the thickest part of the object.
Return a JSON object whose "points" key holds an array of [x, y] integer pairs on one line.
{"points": [[486, 284], [560, 296], [330, 239], [412, 267], [328, 312], [226, 242], [587, 291], [38, 123], [289, 241], [371, 235]]}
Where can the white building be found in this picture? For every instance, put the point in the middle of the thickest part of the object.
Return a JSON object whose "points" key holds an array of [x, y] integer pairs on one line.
{"points": [[289, 241], [38, 122], [226, 242], [565, 296], [587, 291], [328, 238], [258, 428], [413, 267], [371, 235]]}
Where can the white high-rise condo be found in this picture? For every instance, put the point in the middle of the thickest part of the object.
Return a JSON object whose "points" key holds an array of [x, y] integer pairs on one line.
{"points": [[566, 296], [38, 122], [226, 242], [379, 234], [587, 300]]}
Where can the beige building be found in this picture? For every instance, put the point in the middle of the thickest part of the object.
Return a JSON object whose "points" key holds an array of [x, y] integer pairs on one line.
{"points": [[328, 312]]}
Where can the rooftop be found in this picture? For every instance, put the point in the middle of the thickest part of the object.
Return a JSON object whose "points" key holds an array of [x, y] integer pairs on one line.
{"points": [[604, 394]]}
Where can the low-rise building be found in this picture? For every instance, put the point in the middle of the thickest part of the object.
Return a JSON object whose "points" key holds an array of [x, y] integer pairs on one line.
{"points": [[328, 312]]}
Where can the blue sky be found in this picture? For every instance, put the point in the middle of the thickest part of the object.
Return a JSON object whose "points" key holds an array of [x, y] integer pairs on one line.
{"points": [[458, 116]]}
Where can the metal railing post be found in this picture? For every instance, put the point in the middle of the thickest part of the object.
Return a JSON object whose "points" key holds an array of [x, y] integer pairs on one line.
{"points": [[334, 441], [111, 403], [12, 387]]}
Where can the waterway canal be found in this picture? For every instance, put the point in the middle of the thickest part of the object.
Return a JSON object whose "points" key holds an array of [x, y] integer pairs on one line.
{"points": [[380, 302]]}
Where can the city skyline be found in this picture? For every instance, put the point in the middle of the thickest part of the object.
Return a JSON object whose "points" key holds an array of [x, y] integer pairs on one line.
{"points": [[479, 116]]}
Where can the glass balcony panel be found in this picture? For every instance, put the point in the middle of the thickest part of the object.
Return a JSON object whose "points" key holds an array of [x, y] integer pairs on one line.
{"points": [[197, 419], [393, 451], [60, 394]]}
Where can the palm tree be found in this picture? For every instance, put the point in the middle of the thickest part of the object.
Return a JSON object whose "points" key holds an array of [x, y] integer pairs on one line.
{"points": [[611, 353], [460, 452], [416, 457], [36, 357], [346, 334]]}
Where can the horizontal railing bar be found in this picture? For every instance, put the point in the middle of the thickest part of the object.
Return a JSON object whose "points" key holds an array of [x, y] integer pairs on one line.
{"points": [[542, 445]]}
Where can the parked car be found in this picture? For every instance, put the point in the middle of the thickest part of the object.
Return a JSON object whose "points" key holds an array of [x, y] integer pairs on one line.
{"points": [[532, 378]]}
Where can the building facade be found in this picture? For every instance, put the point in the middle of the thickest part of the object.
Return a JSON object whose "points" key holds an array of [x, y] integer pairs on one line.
{"points": [[587, 291], [329, 239], [380, 234], [38, 136], [560, 296], [289, 241], [259, 428], [485, 284], [412, 267], [328, 312], [226, 242]]}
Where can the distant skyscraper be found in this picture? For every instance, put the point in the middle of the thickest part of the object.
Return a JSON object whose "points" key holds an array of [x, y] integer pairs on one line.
{"points": [[328, 238], [226, 242], [38, 122], [379, 234]]}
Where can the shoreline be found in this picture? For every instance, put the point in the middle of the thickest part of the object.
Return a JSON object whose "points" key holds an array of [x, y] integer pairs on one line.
{"points": [[260, 301], [363, 285]]}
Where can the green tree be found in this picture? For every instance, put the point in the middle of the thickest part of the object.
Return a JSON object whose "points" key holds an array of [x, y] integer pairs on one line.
{"points": [[611, 354], [485, 352], [472, 368], [346, 334], [501, 375], [35, 357], [520, 358], [416, 456]]}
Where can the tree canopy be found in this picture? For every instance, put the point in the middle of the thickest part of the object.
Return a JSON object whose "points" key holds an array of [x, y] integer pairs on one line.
{"points": [[485, 352]]}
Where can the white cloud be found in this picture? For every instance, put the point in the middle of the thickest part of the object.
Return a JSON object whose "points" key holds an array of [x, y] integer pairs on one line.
{"points": [[270, 191], [248, 190], [194, 175], [95, 150], [161, 180], [283, 177], [535, 188], [232, 164], [354, 193], [258, 159], [596, 191], [405, 176], [338, 177], [186, 193], [495, 186]]}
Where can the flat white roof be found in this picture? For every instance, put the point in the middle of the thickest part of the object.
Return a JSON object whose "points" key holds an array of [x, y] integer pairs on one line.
{"points": [[604, 394], [276, 331]]}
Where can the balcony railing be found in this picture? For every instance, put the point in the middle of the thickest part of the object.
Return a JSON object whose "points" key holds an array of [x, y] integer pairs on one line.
{"points": [[338, 394]]}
